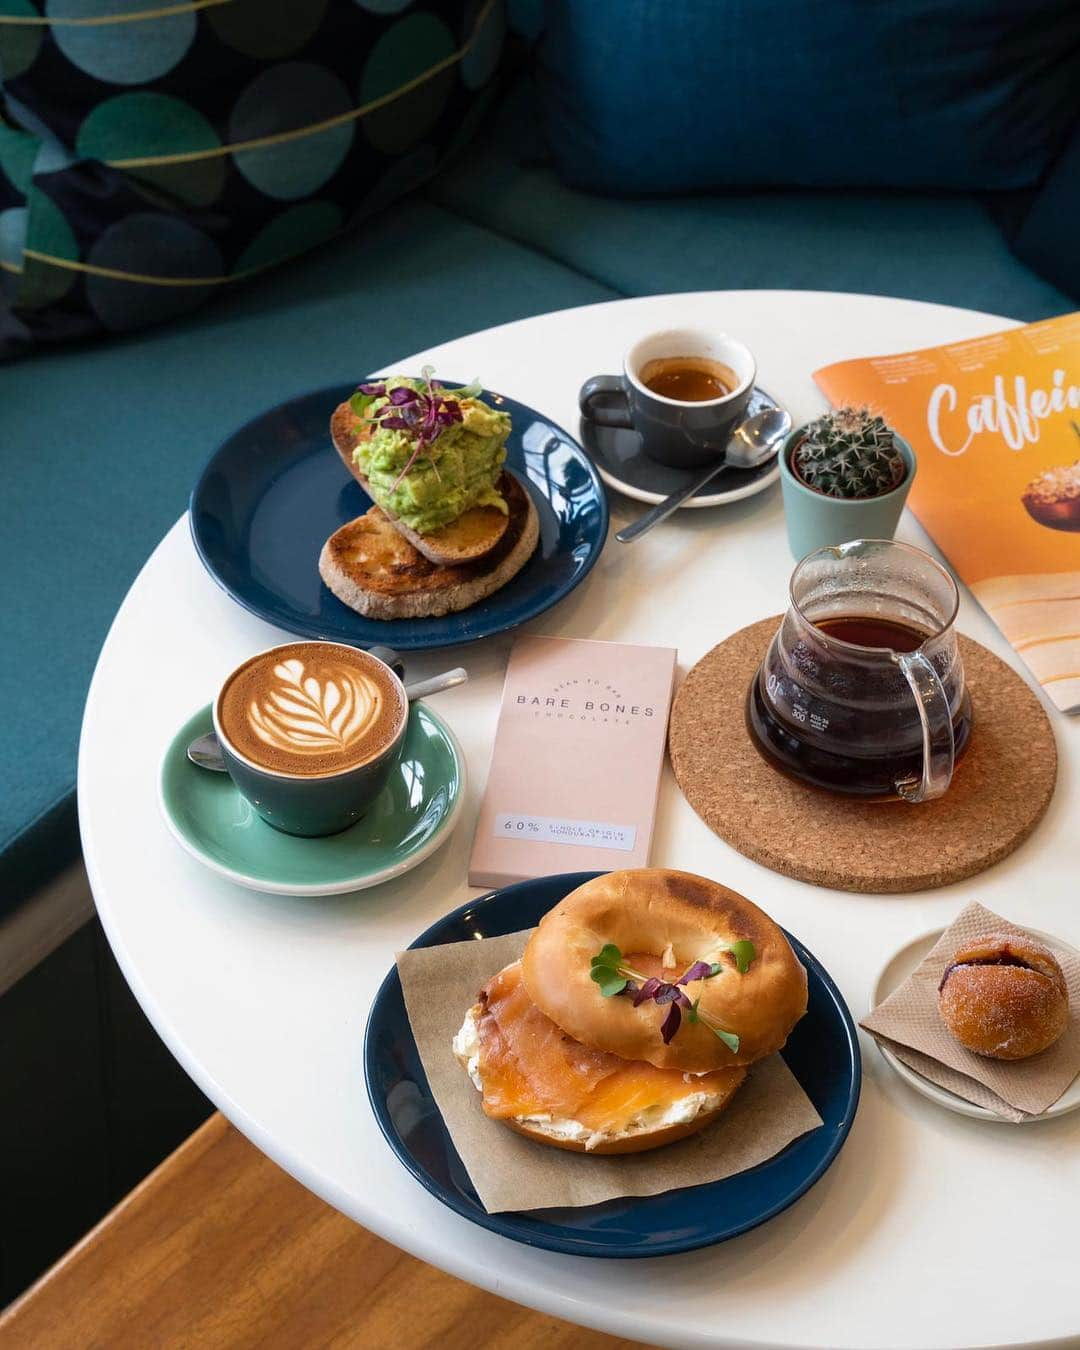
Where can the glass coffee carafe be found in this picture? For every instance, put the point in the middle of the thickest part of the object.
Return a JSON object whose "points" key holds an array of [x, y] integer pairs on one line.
{"points": [[862, 689]]}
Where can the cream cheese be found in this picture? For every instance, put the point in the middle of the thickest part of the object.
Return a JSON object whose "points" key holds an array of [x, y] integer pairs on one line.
{"points": [[466, 1046]]}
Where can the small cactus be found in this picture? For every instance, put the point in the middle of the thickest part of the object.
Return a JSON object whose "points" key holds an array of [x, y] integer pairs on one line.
{"points": [[849, 453]]}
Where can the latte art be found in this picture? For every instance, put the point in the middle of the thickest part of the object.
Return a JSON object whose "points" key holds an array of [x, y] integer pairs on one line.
{"points": [[311, 709], [312, 714]]}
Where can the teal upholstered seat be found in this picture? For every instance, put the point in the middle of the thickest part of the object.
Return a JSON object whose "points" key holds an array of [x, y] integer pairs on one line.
{"points": [[99, 444]]}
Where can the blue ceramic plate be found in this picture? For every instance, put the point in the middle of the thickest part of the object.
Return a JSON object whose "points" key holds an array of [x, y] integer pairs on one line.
{"points": [[276, 490], [823, 1054]]}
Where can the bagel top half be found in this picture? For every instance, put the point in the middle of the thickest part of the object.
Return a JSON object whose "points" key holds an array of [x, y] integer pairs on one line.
{"points": [[664, 921]]}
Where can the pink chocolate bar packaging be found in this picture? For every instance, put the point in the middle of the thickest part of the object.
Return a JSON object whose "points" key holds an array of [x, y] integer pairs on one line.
{"points": [[575, 768]]}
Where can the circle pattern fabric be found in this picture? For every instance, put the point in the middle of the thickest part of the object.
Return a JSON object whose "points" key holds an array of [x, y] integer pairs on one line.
{"points": [[196, 145], [100, 50], [42, 283], [156, 246], [19, 43], [409, 50], [294, 230], [285, 99], [17, 155], [149, 125], [13, 235], [267, 29]]}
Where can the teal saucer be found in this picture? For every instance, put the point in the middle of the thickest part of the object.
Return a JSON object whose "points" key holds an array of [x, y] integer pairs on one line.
{"points": [[413, 815]]}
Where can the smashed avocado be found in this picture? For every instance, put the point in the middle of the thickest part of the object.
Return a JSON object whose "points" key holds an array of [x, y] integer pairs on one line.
{"points": [[455, 471]]}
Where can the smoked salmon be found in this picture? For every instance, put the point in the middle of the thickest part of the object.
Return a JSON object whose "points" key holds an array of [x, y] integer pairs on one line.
{"points": [[530, 1067]]}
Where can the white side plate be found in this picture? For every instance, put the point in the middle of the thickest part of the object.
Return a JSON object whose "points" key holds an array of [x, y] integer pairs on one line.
{"points": [[896, 971]]}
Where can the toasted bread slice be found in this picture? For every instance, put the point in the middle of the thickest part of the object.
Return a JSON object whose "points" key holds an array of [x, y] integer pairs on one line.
{"points": [[371, 567], [471, 536]]}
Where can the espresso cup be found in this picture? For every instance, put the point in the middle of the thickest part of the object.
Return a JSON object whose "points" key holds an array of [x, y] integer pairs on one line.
{"points": [[681, 433], [310, 733]]}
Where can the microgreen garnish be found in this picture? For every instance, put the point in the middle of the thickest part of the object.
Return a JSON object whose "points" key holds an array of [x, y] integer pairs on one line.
{"points": [[694, 1014], [744, 952], [423, 414], [605, 971], [614, 976]]}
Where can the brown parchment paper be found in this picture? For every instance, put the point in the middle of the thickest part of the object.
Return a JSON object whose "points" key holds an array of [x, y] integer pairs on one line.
{"points": [[511, 1172], [909, 1022]]}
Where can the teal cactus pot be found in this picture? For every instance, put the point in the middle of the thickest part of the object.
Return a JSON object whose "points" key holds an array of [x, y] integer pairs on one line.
{"points": [[815, 520]]}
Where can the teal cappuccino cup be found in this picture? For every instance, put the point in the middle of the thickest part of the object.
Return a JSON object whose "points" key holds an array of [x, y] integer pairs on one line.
{"points": [[310, 732]]}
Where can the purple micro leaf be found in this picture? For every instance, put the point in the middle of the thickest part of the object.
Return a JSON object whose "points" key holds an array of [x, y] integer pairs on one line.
{"points": [[682, 999], [700, 970], [671, 1023], [402, 395], [373, 390], [394, 423], [666, 994], [648, 990]]}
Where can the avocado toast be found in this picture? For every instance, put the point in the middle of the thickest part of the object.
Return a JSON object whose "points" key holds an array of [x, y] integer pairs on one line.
{"points": [[474, 533], [450, 525]]}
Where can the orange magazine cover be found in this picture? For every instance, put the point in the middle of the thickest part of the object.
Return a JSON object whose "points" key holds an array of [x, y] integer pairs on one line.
{"points": [[995, 426]]}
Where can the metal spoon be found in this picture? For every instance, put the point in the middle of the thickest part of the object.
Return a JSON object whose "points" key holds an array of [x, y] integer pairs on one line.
{"points": [[753, 443], [205, 751]]}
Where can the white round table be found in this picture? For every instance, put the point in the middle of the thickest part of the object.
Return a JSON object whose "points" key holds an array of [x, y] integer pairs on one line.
{"points": [[930, 1230]]}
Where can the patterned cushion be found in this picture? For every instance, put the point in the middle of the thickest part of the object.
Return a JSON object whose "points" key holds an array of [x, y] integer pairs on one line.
{"points": [[153, 152]]}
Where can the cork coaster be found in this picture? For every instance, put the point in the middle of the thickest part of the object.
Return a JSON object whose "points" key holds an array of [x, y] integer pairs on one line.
{"points": [[999, 793]]}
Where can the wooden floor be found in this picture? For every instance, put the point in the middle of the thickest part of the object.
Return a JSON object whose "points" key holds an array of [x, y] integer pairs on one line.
{"points": [[220, 1248]]}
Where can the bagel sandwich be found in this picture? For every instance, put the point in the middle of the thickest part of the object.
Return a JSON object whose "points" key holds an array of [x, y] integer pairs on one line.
{"points": [[633, 1016]]}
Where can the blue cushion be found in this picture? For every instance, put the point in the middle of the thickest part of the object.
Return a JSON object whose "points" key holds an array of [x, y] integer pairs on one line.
{"points": [[642, 96], [923, 246], [99, 447], [1049, 237]]}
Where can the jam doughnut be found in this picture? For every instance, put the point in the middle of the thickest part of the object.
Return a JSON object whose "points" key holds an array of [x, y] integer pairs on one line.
{"points": [[1004, 996]]}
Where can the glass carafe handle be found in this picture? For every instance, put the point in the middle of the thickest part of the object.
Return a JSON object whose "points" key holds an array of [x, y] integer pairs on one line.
{"points": [[939, 750]]}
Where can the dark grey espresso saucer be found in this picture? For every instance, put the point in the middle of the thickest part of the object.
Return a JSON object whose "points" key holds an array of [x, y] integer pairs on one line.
{"points": [[623, 464]]}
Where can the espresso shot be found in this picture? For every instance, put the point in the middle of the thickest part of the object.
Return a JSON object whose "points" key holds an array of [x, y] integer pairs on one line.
{"points": [[683, 391], [689, 379]]}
